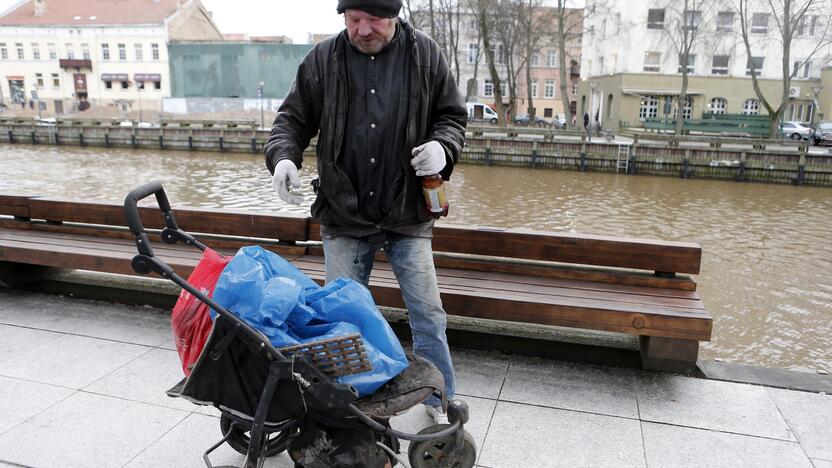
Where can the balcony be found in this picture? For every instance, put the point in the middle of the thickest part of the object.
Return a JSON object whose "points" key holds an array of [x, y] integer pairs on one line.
{"points": [[574, 72], [78, 64]]}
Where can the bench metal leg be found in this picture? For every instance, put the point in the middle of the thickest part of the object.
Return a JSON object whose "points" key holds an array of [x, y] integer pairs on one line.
{"points": [[668, 354]]}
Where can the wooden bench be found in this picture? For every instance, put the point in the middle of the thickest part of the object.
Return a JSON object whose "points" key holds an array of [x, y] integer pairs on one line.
{"points": [[602, 283]]}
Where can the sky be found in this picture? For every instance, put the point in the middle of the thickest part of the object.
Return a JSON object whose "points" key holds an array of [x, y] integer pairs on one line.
{"points": [[293, 18]]}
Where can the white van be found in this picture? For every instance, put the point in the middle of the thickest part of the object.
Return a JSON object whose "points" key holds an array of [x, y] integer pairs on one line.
{"points": [[479, 112]]}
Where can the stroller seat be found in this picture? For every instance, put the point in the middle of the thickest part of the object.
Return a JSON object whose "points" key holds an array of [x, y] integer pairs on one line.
{"points": [[411, 387]]}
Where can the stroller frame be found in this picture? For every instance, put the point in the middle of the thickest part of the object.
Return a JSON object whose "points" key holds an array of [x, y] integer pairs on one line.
{"points": [[314, 384]]}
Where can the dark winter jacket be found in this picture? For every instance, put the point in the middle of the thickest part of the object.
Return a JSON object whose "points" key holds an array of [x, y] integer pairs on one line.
{"points": [[317, 100]]}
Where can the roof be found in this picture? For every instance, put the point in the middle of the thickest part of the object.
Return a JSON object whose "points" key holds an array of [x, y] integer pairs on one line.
{"points": [[91, 12]]}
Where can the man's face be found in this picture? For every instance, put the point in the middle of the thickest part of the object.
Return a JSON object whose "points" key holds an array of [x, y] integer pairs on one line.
{"points": [[369, 33]]}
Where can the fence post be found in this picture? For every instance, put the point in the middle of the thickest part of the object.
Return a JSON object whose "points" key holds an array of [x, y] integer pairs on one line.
{"points": [[81, 139], [686, 165], [583, 153], [57, 138], [34, 138], [254, 145], [741, 168], [11, 137], [190, 142], [222, 146], [133, 141], [801, 166], [161, 142], [107, 140]]}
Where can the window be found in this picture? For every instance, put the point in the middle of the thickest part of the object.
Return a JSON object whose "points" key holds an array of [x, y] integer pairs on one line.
{"points": [[575, 88], [108, 84], [503, 89], [719, 65], [473, 52], [498, 53], [652, 61], [157, 85], [609, 107], [534, 89], [751, 107], [4, 52], [53, 52], [547, 112], [35, 51], [601, 65], [70, 51], [688, 109], [798, 64], [692, 19], [19, 46], [718, 105], [124, 85], [549, 89], [122, 52], [39, 80], [489, 89], [655, 18], [56, 81], [757, 63], [154, 51], [535, 59], [691, 63], [812, 24], [85, 51], [105, 51], [759, 23], [806, 26], [137, 48], [725, 21], [552, 58], [649, 108]]}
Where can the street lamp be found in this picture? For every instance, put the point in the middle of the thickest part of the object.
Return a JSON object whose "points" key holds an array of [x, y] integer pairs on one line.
{"points": [[260, 96]]}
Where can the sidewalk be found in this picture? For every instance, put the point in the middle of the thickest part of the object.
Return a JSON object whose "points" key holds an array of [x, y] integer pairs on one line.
{"points": [[82, 385]]}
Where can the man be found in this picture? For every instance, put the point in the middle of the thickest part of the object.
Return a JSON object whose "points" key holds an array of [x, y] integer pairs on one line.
{"points": [[389, 112]]}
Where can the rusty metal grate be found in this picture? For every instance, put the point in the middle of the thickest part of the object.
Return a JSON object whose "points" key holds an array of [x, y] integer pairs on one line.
{"points": [[336, 357]]}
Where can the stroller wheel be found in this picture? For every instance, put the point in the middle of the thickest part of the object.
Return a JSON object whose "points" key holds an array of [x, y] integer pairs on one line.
{"points": [[436, 453], [238, 440]]}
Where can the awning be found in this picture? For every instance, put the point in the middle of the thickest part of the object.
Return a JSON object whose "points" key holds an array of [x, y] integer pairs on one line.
{"points": [[114, 77], [14, 77], [658, 92], [147, 77]]}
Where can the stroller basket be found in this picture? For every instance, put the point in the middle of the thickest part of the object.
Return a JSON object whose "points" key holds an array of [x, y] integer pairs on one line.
{"points": [[335, 357]]}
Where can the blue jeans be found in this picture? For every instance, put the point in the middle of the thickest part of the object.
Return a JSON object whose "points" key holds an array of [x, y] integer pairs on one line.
{"points": [[412, 261]]}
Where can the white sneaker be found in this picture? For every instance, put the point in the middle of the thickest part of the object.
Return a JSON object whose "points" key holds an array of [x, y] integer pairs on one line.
{"points": [[436, 413]]}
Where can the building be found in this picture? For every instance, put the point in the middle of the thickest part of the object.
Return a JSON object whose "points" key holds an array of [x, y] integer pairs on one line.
{"points": [[71, 54], [244, 37], [631, 70], [545, 68]]}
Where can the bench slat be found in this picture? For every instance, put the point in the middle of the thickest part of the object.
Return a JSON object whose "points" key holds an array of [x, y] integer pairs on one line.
{"points": [[224, 222], [11, 205]]}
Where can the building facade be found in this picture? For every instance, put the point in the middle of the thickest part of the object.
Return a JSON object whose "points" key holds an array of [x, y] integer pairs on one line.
{"points": [[66, 55], [474, 75], [631, 61]]}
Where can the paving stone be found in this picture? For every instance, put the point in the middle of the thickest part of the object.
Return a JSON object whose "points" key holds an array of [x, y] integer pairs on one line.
{"points": [[564, 385], [676, 446], [146, 380], [131, 324], [808, 415], [87, 430], [479, 373], [71, 361], [15, 340], [531, 436], [480, 411], [21, 399], [708, 404], [183, 446], [822, 463]]}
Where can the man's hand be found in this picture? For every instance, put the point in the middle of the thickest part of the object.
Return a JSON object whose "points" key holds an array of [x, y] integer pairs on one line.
{"points": [[285, 174], [428, 159]]}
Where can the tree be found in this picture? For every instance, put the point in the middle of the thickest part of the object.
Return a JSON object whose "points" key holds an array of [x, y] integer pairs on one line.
{"points": [[485, 10], [569, 29], [507, 23], [789, 17]]}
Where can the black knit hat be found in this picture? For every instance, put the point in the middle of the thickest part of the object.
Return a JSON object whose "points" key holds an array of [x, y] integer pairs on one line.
{"points": [[380, 8]]}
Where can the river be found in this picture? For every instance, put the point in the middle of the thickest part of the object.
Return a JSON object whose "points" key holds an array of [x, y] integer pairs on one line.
{"points": [[767, 249]]}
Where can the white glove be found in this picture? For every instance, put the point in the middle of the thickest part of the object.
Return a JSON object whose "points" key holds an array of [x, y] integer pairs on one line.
{"points": [[285, 174], [428, 159]]}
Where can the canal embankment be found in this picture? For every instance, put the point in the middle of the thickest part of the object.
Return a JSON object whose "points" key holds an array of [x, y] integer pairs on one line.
{"points": [[521, 147]]}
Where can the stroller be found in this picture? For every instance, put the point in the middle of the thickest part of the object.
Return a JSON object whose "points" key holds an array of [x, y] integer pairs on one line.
{"points": [[273, 400]]}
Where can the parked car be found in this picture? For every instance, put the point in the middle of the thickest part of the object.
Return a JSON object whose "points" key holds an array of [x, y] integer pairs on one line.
{"points": [[523, 119], [559, 121], [45, 122], [795, 130], [822, 134], [479, 112]]}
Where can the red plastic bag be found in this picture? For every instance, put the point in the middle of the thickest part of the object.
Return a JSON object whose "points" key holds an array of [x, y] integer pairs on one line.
{"points": [[191, 319]]}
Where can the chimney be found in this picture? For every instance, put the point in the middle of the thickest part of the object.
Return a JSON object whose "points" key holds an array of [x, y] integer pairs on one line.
{"points": [[40, 7]]}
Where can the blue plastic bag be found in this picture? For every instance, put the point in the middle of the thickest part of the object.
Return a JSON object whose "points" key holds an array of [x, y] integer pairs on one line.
{"points": [[280, 301]]}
